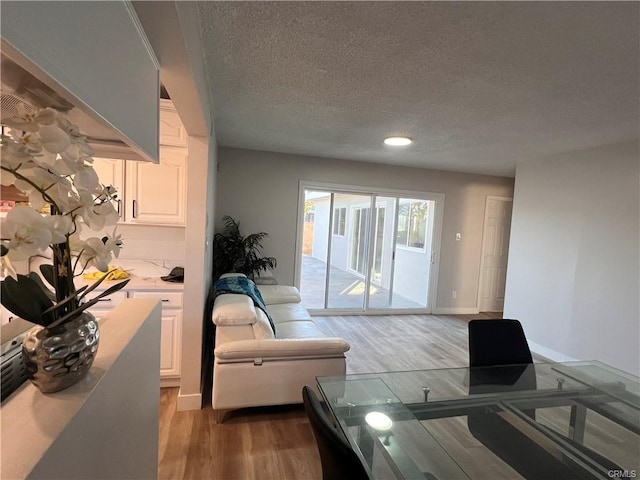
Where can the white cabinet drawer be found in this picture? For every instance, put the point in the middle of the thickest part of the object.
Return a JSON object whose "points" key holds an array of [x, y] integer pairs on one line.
{"points": [[169, 299], [107, 302]]}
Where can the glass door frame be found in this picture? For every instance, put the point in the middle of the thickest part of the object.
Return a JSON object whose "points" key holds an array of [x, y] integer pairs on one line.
{"points": [[374, 192]]}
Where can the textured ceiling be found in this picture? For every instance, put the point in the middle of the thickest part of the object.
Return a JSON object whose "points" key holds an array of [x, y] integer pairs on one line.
{"points": [[479, 86]]}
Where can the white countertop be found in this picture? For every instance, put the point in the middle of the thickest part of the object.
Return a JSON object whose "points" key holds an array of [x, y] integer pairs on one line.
{"points": [[135, 283], [144, 275]]}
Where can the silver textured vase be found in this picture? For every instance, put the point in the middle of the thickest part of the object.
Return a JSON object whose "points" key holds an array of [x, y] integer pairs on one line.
{"points": [[57, 358]]}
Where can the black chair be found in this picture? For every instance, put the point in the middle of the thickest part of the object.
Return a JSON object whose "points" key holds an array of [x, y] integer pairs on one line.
{"points": [[339, 461], [497, 342], [502, 342]]}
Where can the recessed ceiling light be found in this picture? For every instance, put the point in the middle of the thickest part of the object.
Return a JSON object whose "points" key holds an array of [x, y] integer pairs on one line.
{"points": [[398, 141]]}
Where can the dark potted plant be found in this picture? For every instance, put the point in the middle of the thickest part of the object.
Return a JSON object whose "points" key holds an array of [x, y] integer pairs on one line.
{"points": [[235, 253]]}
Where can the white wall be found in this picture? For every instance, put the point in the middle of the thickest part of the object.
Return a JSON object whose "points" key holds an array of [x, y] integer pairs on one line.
{"points": [[142, 242], [260, 189], [198, 264], [573, 274], [173, 30]]}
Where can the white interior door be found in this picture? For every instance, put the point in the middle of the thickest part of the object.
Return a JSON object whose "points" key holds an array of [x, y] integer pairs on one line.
{"points": [[497, 228]]}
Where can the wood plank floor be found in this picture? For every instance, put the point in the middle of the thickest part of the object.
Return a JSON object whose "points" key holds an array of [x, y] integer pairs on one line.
{"points": [[277, 442]]}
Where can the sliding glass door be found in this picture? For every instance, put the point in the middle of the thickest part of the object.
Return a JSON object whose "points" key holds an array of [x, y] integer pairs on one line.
{"points": [[365, 251]]}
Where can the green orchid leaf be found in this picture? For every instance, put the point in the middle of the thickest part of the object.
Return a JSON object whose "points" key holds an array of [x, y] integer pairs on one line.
{"points": [[64, 302], [10, 304], [98, 282], [25, 298], [47, 273], [36, 278], [90, 303], [113, 288]]}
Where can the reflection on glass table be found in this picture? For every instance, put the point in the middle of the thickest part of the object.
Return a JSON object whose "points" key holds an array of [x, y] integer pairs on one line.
{"points": [[575, 420]]}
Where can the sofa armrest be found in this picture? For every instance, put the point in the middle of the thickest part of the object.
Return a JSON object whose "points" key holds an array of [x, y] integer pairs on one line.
{"points": [[280, 349]]}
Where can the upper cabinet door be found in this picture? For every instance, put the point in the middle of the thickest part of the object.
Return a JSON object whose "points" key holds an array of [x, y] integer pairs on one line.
{"points": [[96, 55], [172, 132], [156, 193], [111, 172]]}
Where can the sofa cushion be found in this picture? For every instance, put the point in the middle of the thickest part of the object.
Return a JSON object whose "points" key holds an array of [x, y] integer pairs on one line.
{"points": [[299, 329], [275, 294], [228, 275], [233, 309], [262, 327], [287, 312]]}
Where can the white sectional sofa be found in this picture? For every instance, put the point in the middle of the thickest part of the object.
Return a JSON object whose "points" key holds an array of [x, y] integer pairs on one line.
{"points": [[255, 367]]}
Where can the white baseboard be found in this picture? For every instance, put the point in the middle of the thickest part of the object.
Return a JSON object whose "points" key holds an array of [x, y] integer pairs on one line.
{"points": [[549, 353], [455, 311], [189, 402]]}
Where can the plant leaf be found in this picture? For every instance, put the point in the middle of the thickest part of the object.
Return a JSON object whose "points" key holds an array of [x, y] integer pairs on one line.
{"points": [[62, 303], [90, 303], [98, 282], [36, 278], [25, 298], [13, 306], [47, 273]]}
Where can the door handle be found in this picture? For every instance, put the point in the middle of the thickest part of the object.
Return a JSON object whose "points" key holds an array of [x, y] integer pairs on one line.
{"points": [[134, 209]]}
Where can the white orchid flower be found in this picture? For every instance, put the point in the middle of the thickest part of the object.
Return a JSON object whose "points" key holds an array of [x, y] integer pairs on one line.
{"points": [[39, 179], [53, 138], [31, 121], [86, 178], [113, 243], [30, 141], [105, 216], [26, 232], [48, 159], [75, 136], [96, 213], [92, 252], [60, 226], [13, 155]]}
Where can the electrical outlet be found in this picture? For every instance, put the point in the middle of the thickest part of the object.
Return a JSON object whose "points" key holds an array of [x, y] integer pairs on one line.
{"points": [[454, 294]]}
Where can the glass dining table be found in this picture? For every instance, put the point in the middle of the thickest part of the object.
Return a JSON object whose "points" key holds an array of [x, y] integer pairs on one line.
{"points": [[575, 420]]}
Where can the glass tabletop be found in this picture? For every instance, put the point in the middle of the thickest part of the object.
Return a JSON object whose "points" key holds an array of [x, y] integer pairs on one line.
{"points": [[553, 420]]}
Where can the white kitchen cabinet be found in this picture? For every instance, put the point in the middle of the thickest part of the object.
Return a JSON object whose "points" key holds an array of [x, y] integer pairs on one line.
{"points": [[171, 331], [156, 194], [5, 315], [111, 172], [171, 337], [104, 305], [172, 132], [148, 193]]}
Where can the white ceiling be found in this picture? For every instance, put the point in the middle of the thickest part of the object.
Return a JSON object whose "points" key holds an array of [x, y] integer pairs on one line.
{"points": [[479, 86]]}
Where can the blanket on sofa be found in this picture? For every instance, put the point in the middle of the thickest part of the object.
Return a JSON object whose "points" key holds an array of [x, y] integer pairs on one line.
{"points": [[244, 286]]}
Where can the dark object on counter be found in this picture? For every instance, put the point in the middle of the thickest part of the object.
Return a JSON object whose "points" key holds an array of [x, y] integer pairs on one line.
{"points": [[176, 275]]}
